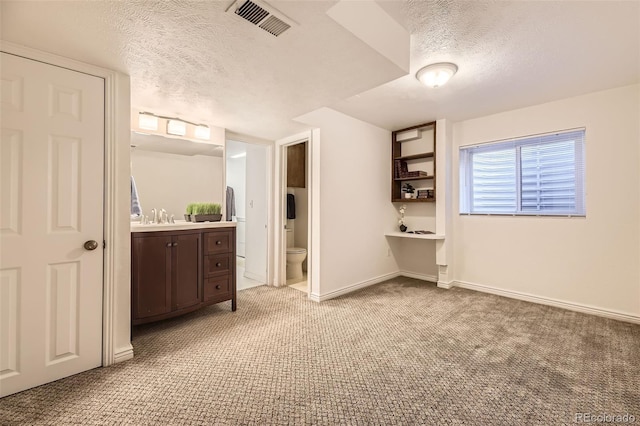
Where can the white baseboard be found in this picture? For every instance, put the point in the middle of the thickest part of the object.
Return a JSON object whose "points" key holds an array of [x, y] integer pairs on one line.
{"points": [[372, 281], [446, 284], [353, 287], [123, 354], [429, 278], [314, 297], [254, 277], [577, 307], [418, 276]]}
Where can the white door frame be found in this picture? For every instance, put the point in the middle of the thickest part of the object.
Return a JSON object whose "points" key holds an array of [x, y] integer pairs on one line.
{"points": [[313, 184], [236, 137], [116, 251]]}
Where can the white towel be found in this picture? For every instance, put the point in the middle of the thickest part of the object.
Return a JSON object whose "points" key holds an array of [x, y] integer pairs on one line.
{"points": [[136, 210]]}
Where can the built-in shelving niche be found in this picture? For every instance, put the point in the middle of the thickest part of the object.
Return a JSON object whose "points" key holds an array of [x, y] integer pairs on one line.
{"points": [[413, 160]]}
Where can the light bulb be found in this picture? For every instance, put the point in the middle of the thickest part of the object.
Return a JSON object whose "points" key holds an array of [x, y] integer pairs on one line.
{"points": [[436, 75]]}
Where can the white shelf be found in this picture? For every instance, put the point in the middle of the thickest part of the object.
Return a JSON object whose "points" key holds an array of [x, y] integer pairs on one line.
{"points": [[416, 236]]}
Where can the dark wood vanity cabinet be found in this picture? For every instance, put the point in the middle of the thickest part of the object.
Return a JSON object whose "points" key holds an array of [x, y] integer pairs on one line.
{"points": [[175, 272], [219, 267], [151, 276]]}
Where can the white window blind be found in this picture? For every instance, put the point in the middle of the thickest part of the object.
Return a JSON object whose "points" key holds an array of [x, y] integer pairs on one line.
{"points": [[537, 175]]}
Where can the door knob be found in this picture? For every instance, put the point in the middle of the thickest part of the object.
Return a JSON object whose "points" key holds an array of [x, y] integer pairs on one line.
{"points": [[91, 245]]}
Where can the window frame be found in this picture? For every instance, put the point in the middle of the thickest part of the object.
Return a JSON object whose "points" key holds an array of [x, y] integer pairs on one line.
{"points": [[466, 190]]}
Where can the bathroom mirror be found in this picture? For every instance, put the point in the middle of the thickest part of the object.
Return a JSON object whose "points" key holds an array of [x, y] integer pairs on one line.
{"points": [[170, 172]]}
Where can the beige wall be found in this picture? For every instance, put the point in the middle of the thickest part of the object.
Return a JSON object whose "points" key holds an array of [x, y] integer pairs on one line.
{"points": [[591, 261], [356, 211]]}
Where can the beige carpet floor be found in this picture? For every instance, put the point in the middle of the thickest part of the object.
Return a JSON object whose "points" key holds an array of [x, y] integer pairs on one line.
{"points": [[398, 353]]}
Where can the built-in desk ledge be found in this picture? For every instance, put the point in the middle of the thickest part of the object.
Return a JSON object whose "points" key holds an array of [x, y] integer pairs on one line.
{"points": [[416, 236], [180, 225]]}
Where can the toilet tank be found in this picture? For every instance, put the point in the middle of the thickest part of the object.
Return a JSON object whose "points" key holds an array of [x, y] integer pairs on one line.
{"points": [[290, 240]]}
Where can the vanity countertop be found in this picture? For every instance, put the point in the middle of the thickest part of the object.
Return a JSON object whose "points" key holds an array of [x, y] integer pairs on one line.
{"points": [[180, 225]]}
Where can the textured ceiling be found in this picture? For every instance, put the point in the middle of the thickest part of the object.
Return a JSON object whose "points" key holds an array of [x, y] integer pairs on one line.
{"points": [[193, 60], [510, 54]]}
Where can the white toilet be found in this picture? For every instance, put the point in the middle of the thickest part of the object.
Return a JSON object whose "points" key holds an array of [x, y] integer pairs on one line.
{"points": [[295, 257]]}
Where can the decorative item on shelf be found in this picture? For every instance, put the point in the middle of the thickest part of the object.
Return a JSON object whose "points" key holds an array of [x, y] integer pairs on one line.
{"points": [[401, 168], [205, 212], [408, 190], [402, 209], [415, 174], [424, 193]]}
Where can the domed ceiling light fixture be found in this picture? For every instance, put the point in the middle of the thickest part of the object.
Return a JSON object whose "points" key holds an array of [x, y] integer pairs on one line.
{"points": [[436, 75]]}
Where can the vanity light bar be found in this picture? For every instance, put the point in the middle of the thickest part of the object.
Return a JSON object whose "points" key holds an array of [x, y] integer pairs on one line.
{"points": [[147, 121], [203, 132], [175, 126]]}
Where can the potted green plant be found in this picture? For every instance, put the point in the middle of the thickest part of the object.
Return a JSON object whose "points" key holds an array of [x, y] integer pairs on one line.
{"points": [[189, 212], [206, 212], [408, 190]]}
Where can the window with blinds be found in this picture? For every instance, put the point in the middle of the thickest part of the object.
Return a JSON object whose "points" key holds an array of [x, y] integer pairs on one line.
{"points": [[536, 175]]}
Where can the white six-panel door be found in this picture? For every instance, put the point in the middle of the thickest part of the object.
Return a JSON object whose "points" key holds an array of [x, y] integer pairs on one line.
{"points": [[51, 204]]}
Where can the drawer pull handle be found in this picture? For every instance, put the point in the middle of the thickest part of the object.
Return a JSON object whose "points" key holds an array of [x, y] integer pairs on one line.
{"points": [[218, 264], [218, 242], [175, 244], [168, 244], [218, 287]]}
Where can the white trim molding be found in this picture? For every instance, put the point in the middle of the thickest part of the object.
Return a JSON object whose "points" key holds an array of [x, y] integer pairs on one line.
{"points": [[117, 126], [255, 277], [446, 284], [123, 354], [353, 287], [418, 276], [577, 307], [377, 280]]}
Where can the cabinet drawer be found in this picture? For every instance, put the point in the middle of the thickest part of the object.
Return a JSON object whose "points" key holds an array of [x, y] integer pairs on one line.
{"points": [[217, 288], [218, 242], [217, 264]]}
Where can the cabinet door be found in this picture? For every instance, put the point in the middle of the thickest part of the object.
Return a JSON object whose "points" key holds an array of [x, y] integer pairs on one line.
{"points": [[151, 276], [186, 271], [296, 166]]}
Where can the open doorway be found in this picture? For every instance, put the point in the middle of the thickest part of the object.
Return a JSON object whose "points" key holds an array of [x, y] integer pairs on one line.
{"points": [[247, 204], [297, 238], [296, 216]]}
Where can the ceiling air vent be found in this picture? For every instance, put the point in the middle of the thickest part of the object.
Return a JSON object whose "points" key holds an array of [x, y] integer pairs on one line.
{"points": [[252, 12], [262, 15], [274, 26]]}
